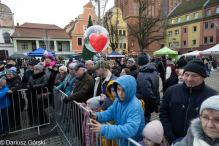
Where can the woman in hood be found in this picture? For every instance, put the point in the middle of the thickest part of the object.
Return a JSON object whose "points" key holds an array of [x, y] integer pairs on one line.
{"points": [[204, 130]]}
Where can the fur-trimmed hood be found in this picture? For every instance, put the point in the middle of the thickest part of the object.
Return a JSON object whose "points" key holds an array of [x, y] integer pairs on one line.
{"points": [[198, 132]]}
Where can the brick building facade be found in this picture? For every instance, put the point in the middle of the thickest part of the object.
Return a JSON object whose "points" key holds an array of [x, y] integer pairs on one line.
{"points": [[130, 13]]}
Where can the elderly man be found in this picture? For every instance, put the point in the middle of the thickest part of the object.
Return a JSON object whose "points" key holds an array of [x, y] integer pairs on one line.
{"points": [[181, 102], [100, 84], [133, 68], [91, 71], [82, 86], [204, 131]]}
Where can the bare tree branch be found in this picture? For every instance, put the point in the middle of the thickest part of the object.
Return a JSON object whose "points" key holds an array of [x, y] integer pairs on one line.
{"points": [[147, 28]]}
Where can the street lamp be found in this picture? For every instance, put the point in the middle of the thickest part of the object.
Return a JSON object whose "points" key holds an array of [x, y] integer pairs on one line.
{"points": [[99, 9]]}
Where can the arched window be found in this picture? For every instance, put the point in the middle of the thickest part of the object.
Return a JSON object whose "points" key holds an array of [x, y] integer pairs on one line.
{"points": [[7, 38]]}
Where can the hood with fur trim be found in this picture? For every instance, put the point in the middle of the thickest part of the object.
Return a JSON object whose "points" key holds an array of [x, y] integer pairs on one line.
{"points": [[198, 132]]}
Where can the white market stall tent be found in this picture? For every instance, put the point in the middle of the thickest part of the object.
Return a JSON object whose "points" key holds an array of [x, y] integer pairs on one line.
{"points": [[194, 53], [213, 50]]}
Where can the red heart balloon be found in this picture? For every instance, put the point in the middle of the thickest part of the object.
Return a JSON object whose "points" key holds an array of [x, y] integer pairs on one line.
{"points": [[98, 41]]}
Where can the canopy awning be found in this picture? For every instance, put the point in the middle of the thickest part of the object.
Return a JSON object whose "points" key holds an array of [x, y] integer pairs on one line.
{"points": [[213, 50], [165, 51], [39, 52], [194, 53], [115, 54], [16, 56]]}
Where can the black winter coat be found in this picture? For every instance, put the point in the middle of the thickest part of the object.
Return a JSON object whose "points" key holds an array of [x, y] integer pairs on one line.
{"points": [[27, 75], [15, 84], [161, 68], [173, 80], [148, 88], [36, 85], [134, 71], [179, 106]]}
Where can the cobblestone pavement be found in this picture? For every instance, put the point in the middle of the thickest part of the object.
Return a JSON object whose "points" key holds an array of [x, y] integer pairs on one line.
{"points": [[59, 139]]}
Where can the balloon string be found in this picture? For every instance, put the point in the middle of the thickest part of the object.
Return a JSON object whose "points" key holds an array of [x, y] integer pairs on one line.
{"points": [[101, 80]]}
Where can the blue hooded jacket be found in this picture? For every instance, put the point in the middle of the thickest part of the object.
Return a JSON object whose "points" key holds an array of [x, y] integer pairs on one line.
{"points": [[3, 97], [128, 115]]}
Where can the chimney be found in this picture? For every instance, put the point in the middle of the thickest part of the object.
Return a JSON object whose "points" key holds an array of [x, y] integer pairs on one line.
{"points": [[192, 1]]}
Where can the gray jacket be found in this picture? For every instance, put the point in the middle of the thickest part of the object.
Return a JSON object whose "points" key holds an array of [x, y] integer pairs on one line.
{"points": [[196, 131]]}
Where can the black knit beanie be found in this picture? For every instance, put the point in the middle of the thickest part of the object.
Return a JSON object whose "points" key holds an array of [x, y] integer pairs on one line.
{"points": [[196, 66], [143, 59], [180, 63]]}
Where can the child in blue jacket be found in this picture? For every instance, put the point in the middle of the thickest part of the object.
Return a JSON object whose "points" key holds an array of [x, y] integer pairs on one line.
{"points": [[4, 104], [126, 111]]}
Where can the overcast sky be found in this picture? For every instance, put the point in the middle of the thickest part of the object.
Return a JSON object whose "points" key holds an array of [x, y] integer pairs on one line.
{"points": [[59, 12]]}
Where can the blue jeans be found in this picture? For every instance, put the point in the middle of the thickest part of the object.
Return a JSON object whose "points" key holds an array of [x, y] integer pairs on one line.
{"points": [[4, 127]]}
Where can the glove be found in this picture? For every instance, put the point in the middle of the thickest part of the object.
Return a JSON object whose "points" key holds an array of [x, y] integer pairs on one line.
{"points": [[65, 100]]}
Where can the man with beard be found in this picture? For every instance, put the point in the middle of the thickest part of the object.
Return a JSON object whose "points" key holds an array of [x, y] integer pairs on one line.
{"points": [[101, 83]]}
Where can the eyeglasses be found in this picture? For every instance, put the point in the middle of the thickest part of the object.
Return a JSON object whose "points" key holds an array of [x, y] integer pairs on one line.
{"points": [[35, 69], [205, 119], [70, 69]]}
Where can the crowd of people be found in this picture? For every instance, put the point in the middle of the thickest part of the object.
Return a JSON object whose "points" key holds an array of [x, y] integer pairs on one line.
{"points": [[123, 91]]}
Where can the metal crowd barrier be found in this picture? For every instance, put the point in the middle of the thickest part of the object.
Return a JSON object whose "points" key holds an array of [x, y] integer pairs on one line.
{"points": [[69, 118], [26, 111]]}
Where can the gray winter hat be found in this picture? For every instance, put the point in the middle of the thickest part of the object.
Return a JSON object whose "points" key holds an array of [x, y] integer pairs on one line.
{"points": [[39, 66], [95, 102], [210, 103], [3, 81], [131, 60]]}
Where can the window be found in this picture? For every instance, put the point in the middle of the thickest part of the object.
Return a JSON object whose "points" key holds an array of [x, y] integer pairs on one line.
{"points": [[187, 17], [170, 33], [211, 40], [124, 45], [205, 40], [117, 21], [206, 26], [217, 10], [212, 25], [176, 44], [79, 41], [194, 28], [170, 45], [184, 43], [172, 21], [7, 38], [178, 20], [33, 46], [84, 28], [60, 46], [136, 8], [195, 15], [177, 32], [52, 45], [120, 32], [184, 30], [24, 45], [124, 33], [208, 12], [194, 42], [43, 45], [120, 45]]}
